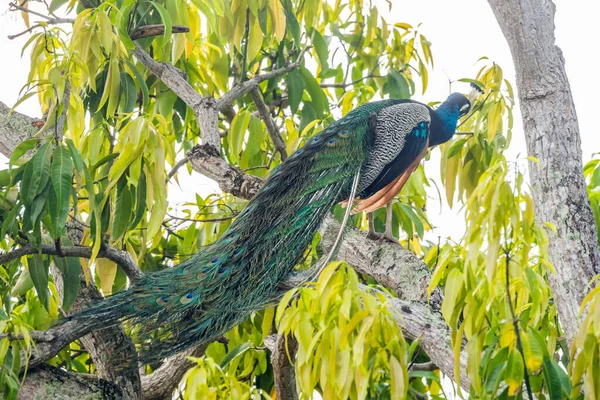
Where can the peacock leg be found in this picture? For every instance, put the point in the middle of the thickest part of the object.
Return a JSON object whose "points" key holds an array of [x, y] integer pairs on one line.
{"points": [[372, 234], [387, 235], [388, 223]]}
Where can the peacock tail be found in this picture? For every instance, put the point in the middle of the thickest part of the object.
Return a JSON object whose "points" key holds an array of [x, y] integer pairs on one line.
{"points": [[205, 296]]}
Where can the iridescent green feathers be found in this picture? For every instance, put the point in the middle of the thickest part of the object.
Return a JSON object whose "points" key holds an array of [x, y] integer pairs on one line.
{"points": [[203, 297]]}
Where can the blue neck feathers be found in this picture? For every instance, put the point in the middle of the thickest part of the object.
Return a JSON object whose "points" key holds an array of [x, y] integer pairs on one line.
{"points": [[444, 129]]}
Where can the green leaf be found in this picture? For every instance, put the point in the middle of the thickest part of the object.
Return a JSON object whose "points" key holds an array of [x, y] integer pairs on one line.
{"points": [[70, 268], [38, 269], [321, 48], [123, 209], [295, 87], [21, 149], [235, 352], [56, 4], [62, 182], [237, 133], [292, 22], [140, 81], [397, 86], [318, 98], [36, 176], [552, 379], [140, 202], [128, 93], [104, 160], [166, 20], [75, 156]]}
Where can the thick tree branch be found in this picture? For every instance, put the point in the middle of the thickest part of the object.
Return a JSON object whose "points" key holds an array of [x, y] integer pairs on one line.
{"points": [[204, 108], [48, 382], [263, 111], [230, 179], [552, 135], [120, 257], [161, 383], [15, 128]]}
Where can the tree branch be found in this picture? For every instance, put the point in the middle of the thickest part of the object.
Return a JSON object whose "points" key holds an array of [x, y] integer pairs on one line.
{"points": [[161, 383], [263, 111], [156, 30], [204, 108], [120, 257], [15, 128], [283, 371], [51, 382], [343, 85], [238, 91], [179, 164]]}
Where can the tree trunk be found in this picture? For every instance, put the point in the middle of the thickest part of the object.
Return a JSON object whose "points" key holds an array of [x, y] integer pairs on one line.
{"points": [[552, 135]]}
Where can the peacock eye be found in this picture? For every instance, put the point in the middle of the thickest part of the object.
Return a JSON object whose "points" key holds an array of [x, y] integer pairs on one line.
{"points": [[331, 143], [464, 109]]}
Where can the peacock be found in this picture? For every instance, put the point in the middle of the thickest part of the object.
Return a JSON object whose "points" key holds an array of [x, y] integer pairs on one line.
{"points": [[363, 159]]}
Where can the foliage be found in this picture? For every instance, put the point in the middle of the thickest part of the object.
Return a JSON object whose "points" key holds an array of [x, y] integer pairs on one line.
{"points": [[124, 130]]}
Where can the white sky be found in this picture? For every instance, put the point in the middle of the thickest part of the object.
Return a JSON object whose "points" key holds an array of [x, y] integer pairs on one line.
{"points": [[461, 32]]}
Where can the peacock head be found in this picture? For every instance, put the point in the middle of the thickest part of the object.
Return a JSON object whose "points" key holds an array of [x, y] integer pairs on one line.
{"points": [[449, 112]]}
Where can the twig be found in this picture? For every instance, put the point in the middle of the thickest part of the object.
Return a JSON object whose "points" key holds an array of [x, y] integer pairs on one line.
{"points": [[266, 117], [179, 164], [15, 7], [156, 30], [343, 85], [122, 258], [426, 366], [203, 220], [243, 88]]}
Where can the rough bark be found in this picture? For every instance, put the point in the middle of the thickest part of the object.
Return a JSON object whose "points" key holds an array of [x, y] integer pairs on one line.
{"points": [[14, 129], [161, 383], [552, 135], [283, 369], [49, 382]]}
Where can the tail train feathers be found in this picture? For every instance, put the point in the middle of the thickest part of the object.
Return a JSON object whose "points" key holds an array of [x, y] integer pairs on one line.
{"points": [[374, 146], [203, 297]]}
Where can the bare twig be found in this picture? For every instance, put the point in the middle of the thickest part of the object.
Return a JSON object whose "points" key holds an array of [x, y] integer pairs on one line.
{"points": [[179, 164], [156, 30], [16, 7], [218, 219], [343, 85], [271, 127], [122, 258], [243, 88], [426, 366]]}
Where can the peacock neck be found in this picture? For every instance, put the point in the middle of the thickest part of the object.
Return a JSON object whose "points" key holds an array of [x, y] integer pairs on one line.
{"points": [[444, 121]]}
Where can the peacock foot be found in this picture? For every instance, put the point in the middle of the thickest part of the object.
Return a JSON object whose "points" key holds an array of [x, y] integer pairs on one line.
{"points": [[382, 237]]}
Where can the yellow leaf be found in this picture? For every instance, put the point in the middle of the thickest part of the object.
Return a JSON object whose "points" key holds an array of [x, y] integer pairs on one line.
{"points": [[398, 379], [107, 270], [25, 14], [255, 39], [533, 159], [277, 19], [515, 372]]}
